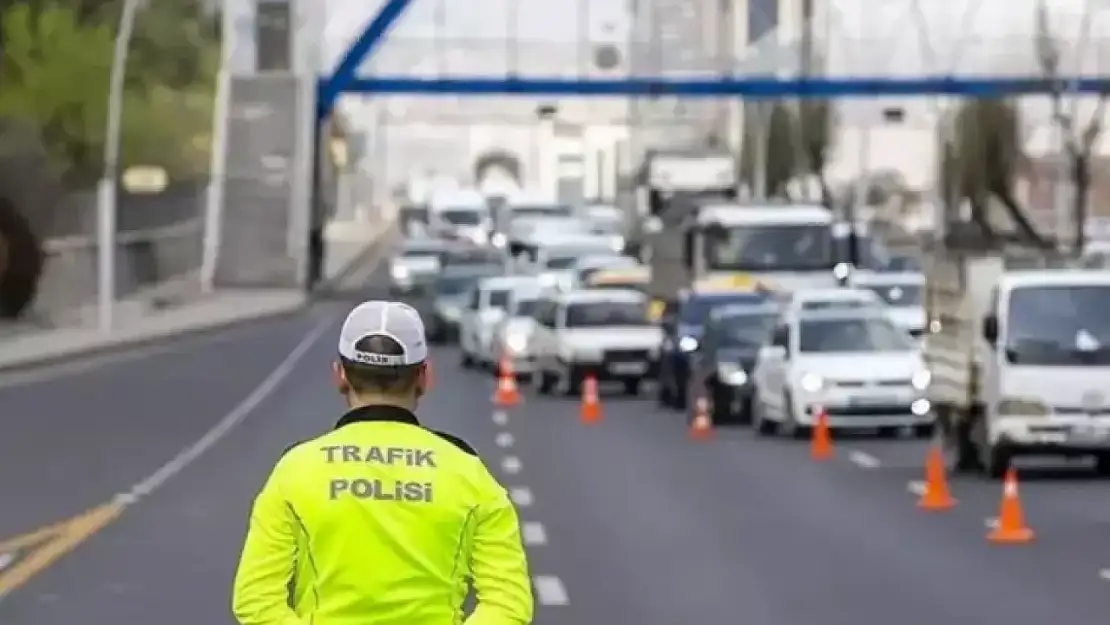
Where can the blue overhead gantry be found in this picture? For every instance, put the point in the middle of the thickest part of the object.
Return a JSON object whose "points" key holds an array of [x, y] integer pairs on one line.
{"points": [[346, 79]]}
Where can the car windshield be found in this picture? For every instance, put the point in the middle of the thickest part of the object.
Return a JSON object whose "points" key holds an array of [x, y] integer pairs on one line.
{"points": [[838, 304], [696, 309], [421, 252], [455, 285], [541, 210], [1059, 326], [872, 254], [604, 314], [747, 330], [803, 247], [899, 294], [499, 298], [414, 214], [851, 335], [462, 216], [526, 307], [902, 263], [567, 257]]}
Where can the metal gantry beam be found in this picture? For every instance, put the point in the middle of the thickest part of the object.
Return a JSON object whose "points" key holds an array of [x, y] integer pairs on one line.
{"points": [[345, 79], [756, 87]]}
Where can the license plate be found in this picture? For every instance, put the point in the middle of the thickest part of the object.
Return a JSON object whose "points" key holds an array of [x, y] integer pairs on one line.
{"points": [[1090, 432], [872, 401], [630, 368]]}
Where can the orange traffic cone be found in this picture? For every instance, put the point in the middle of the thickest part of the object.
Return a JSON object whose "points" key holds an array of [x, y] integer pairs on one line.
{"points": [[1011, 528], [701, 426], [507, 395], [936, 495], [591, 402], [820, 445]]}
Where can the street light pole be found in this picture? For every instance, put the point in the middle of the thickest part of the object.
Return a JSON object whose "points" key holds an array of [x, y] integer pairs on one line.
{"points": [[106, 208]]}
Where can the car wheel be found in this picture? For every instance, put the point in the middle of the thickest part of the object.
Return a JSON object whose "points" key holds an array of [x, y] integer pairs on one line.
{"points": [[632, 387], [795, 429], [722, 406], [663, 393], [1102, 464], [572, 379], [763, 426], [545, 382]]}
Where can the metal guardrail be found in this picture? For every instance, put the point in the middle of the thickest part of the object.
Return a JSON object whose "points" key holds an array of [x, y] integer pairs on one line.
{"points": [[146, 259]]}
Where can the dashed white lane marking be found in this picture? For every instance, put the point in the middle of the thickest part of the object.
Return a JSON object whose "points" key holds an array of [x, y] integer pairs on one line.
{"points": [[6, 560], [522, 496], [916, 487], [511, 465], [550, 590], [500, 417], [534, 533], [230, 420], [504, 439], [863, 460], [1104, 575]]}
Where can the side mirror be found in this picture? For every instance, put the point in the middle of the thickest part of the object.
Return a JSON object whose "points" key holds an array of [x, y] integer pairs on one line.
{"points": [[990, 329]]}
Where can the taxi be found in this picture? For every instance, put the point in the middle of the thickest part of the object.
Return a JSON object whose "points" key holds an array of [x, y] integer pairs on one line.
{"points": [[683, 322], [634, 278]]}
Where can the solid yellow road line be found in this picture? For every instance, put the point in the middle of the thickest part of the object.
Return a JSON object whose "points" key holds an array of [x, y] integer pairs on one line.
{"points": [[55, 541]]}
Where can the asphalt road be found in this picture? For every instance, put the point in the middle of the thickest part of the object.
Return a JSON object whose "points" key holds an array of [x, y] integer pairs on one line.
{"points": [[627, 521]]}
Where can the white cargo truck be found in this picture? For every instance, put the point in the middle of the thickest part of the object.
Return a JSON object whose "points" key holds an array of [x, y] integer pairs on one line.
{"points": [[1019, 362]]}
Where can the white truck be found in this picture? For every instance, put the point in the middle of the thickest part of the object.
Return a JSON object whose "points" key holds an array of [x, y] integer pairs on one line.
{"points": [[1019, 362]]}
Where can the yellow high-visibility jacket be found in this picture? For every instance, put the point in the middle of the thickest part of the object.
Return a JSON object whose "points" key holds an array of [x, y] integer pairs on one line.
{"points": [[382, 522]]}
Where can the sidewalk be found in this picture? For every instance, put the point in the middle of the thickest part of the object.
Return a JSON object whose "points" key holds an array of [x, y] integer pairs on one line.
{"points": [[141, 321]]}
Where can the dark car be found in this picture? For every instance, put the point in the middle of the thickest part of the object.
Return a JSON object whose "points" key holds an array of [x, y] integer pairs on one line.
{"points": [[444, 302], [683, 324], [470, 255], [722, 365]]}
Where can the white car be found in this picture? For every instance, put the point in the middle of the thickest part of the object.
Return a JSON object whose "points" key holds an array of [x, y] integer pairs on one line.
{"points": [[859, 366], [903, 293], [484, 310], [514, 333], [554, 258], [604, 333], [418, 264]]}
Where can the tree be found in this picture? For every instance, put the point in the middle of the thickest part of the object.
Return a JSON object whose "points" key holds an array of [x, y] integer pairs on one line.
{"points": [[1078, 138], [980, 159], [498, 158], [769, 134], [57, 70]]}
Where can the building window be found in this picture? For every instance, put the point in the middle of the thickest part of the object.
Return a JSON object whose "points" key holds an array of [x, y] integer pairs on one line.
{"points": [[274, 36]]}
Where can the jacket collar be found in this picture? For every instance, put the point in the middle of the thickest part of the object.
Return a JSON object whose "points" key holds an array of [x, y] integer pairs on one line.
{"points": [[379, 413]]}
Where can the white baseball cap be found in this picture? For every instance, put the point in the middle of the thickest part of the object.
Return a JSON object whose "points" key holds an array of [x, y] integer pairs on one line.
{"points": [[392, 320]]}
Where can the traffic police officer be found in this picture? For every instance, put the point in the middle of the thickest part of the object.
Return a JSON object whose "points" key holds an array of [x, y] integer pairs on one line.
{"points": [[381, 520]]}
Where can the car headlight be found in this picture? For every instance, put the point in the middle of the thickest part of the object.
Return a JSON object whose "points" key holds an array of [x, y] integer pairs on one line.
{"points": [[732, 374], [616, 243], [688, 344], [811, 382], [399, 272], [478, 236], [1018, 407], [516, 343], [921, 379], [498, 240]]}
